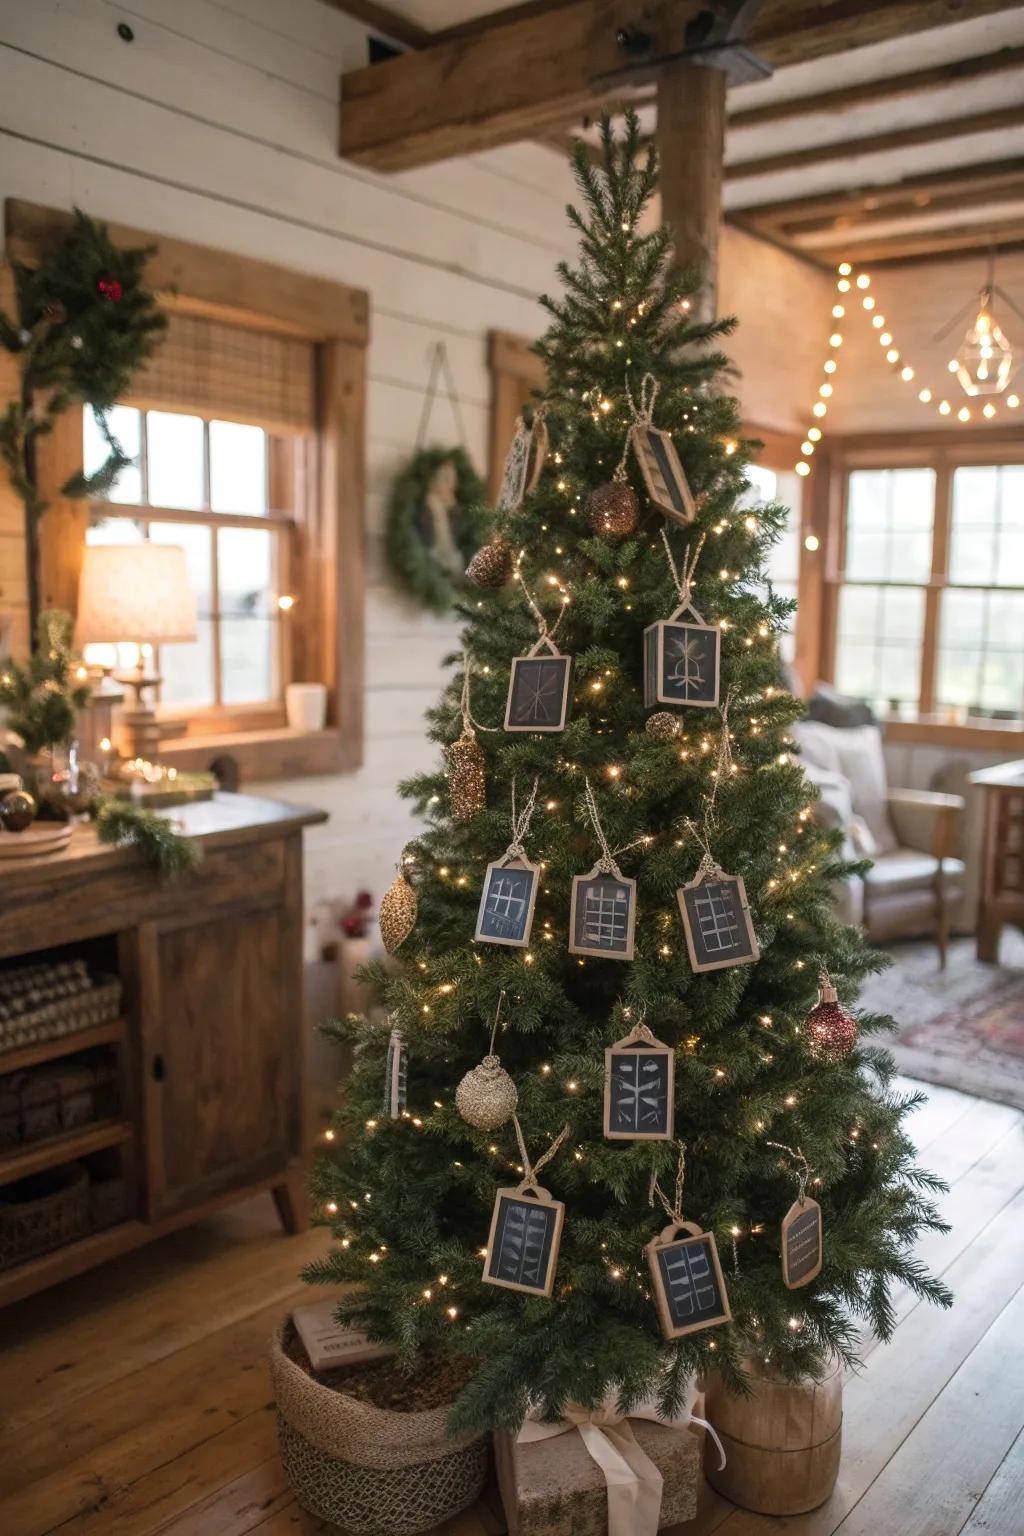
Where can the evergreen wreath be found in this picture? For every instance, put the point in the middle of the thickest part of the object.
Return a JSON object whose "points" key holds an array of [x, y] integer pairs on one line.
{"points": [[410, 552], [85, 323]]}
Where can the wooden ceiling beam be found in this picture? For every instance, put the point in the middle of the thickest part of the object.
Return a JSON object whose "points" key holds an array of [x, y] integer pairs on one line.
{"points": [[936, 242], [522, 70], [860, 221], [990, 173]]}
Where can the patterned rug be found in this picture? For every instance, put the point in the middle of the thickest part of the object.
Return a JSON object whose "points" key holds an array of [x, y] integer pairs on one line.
{"points": [[962, 1027]]}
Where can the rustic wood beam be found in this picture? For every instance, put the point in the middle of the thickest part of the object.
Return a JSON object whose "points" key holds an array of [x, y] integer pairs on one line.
{"points": [[931, 184], [878, 143], [937, 242], [521, 71], [859, 222], [691, 149]]}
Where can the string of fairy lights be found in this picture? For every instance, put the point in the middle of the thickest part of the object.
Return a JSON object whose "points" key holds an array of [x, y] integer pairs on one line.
{"points": [[853, 293]]}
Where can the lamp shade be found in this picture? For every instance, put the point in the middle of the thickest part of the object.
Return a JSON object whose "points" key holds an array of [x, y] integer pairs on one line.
{"points": [[135, 592]]}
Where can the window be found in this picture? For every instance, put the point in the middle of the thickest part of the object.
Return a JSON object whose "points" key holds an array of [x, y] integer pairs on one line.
{"points": [[204, 484], [928, 598], [782, 566]]}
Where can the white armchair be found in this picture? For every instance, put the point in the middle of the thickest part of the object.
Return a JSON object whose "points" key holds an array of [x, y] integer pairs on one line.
{"points": [[916, 883]]}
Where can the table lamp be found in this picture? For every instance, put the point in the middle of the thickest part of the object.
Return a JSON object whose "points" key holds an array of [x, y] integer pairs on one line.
{"points": [[139, 594]]}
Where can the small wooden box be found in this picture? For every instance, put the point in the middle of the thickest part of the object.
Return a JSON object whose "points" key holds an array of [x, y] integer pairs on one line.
{"points": [[555, 1488]]}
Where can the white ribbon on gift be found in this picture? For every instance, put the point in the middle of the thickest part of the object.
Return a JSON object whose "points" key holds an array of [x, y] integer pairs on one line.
{"points": [[634, 1482]]}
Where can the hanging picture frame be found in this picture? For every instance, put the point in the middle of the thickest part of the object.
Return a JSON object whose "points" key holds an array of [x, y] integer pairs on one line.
{"points": [[716, 922], [686, 1275], [507, 902], [523, 1243], [664, 477], [602, 918], [639, 1088], [802, 1243], [524, 461], [538, 689], [682, 661]]}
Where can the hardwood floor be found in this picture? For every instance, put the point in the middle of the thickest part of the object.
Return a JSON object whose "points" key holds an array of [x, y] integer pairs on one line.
{"points": [[135, 1399]]}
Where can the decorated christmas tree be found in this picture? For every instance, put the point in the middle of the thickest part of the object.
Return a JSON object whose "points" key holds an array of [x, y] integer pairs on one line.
{"points": [[618, 1127]]}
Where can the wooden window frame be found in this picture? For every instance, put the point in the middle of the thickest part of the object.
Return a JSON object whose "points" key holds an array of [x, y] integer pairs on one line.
{"points": [[327, 628], [944, 453], [780, 451]]}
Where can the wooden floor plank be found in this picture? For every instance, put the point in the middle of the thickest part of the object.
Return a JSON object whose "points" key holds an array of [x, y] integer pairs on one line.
{"points": [[939, 1113], [1000, 1510]]}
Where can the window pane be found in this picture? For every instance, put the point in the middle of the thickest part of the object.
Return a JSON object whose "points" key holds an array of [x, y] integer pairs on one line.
{"points": [[238, 468], [878, 649], [987, 542], [249, 625], [126, 425], [187, 670], [174, 451], [981, 659], [889, 514], [782, 562]]}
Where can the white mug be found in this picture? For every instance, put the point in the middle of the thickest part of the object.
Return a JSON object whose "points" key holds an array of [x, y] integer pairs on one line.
{"points": [[305, 706]]}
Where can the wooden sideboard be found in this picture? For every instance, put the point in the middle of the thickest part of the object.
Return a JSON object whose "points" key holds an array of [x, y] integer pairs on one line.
{"points": [[1002, 870], [209, 1050]]}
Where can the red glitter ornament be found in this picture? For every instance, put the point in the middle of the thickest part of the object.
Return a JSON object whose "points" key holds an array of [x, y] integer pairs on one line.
{"points": [[109, 288], [829, 1030]]}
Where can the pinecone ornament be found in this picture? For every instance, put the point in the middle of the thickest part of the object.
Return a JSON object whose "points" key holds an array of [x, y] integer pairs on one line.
{"points": [[491, 566], [487, 1097], [828, 1029], [613, 509], [397, 917], [663, 726], [466, 776]]}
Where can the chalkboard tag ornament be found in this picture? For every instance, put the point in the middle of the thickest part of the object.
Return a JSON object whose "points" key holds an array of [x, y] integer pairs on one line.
{"points": [[524, 461], [664, 477], [640, 1050], [716, 920], [505, 914], [526, 1229], [704, 1248], [682, 656], [538, 689], [795, 1271]]}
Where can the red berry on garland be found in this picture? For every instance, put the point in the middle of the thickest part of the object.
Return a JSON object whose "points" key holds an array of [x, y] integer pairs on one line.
{"points": [[829, 1030], [110, 289]]}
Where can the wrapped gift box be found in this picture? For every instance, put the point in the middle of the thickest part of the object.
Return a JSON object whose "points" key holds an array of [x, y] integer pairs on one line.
{"points": [[555, 1488]]}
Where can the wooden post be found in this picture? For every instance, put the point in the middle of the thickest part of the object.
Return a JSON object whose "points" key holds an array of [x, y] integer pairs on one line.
{"points": [[691, 146]]}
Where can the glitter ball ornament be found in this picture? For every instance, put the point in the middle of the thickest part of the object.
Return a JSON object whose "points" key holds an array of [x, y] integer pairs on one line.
{"points": [[613, 509], [491, 566], [16, 811], [466, 779], [398, 909], [663, 726], [828, 1029], [487, 1096]]}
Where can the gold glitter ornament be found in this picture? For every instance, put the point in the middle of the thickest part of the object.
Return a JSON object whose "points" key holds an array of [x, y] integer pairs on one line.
{"points": [[828, 1029], [466, 777], [487, 1097], [663, 726], [398, 909], [491, 566], [613, 509]]}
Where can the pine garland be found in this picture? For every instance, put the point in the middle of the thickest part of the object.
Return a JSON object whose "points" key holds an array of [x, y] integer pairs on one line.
{"points": [[43, 697], [167, 852]]}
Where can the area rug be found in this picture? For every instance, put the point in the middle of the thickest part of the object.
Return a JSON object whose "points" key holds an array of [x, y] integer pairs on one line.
{"points": [[962, 1027]]}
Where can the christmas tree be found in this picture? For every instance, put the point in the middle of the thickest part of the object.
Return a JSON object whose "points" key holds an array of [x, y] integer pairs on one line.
{"points": [[658, 768]]}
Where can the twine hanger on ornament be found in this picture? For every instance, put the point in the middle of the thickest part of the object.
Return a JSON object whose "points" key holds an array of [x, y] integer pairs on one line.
{"points": [[469, 722], [546, 640], [521, 825], [531, 1170], [635, 1014], [802, 1172], [684, 583], [606, 863], [642, 418], [673, 1208]]}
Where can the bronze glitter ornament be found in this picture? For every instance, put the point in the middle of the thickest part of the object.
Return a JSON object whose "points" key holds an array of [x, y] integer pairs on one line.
{"points": [[613, 509], [466, 777], [17, 811], [662, 726], [491, 566], [828, 1029], [398, 910], [487, 1097]]}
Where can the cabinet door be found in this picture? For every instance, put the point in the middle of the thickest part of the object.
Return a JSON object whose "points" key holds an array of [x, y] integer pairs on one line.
{"points": [[223, 1057]]}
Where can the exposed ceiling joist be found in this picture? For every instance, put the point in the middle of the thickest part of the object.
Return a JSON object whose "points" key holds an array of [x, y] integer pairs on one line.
{"points": [[938, 243], [516, 72], [917, 191]]}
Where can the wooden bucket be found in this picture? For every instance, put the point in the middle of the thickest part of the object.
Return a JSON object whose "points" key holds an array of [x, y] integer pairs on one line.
{"points": [[782, 1443]]}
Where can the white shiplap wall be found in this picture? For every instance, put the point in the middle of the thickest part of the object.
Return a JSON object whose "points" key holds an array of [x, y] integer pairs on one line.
{"points": [[219, 124]]}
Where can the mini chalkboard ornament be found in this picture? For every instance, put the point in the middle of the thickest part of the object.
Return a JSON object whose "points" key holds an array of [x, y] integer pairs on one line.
{"points": [[715, 913], [682, 654], [614, 509], [509, 895], [686, 1274], [491, 566], [486, 1098], [639, 1088], [399, 908], [526, 1228], [829, 1031], [802, 1234], [467, 777], [664, 477], [538, 689], [524, 461], [396, 1073], [602, 917]]}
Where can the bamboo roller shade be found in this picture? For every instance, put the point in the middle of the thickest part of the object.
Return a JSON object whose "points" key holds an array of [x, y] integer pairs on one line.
{"points": [[209, 368]]}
